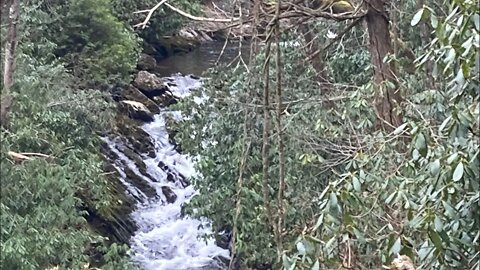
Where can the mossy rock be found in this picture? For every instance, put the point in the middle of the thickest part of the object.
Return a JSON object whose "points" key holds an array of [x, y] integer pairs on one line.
{"points": [[136, 136], [139, 182], [113, 222], [138, 161]]}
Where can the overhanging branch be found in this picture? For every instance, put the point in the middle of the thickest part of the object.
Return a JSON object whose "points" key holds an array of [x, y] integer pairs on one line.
{"points": [[143, 24]]}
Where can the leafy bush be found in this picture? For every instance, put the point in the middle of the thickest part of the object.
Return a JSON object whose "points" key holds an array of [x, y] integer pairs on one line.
{"points": [[93, 42], [356, 197], [43, 223]]}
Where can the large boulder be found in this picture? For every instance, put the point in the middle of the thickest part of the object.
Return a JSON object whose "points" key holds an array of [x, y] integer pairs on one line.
{"points": [[146, 62], [135, 136], [150, 84], [132, 93], [136, 110]]}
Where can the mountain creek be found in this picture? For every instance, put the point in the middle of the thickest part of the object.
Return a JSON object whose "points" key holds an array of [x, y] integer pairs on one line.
{"points": [[153, 172]]}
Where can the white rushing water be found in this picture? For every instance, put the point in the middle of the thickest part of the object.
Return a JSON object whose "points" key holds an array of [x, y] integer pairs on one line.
{"points": [[165, 240]]}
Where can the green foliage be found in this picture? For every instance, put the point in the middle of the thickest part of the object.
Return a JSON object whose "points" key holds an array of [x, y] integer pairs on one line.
{"points": [[164, 22], [96, 45], [352, 192], [422, 203], [42, 199], [214, 130]]}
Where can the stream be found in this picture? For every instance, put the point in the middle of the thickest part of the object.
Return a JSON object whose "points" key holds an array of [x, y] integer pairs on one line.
{"points": [[165, 240]]}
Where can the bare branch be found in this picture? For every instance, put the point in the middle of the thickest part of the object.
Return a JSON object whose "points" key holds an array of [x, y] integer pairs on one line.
{"points": [[181, 12], [150, 13]]}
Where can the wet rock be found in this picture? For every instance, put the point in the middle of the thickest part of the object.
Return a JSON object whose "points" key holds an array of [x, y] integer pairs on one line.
{"points": [[136, 136], [146, 62], [137, 160], [139, 182], [185, 182], [166, 99], [150, 84], [162, 165], [132, 93], [223, 238], [223, 263], [169, 194], [136, 110], [170, 177]]}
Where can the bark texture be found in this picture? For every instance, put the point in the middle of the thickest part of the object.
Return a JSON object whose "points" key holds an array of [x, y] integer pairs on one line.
{"points": [[9, 63], [311, 46], [387, 98], [10, 46]]}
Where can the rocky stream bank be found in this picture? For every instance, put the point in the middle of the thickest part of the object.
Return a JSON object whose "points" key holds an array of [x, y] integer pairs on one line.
{"points": [[150, 174]]}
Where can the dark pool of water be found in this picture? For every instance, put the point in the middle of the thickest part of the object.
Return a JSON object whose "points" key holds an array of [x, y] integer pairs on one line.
{"points": [[202, 58]]}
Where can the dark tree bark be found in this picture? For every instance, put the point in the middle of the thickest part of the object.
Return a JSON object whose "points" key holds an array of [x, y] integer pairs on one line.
{"points": [[387, 98], [316, 61]]}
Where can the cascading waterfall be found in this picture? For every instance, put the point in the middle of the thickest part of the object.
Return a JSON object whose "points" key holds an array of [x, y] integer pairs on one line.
{"points": [[165, 240]]}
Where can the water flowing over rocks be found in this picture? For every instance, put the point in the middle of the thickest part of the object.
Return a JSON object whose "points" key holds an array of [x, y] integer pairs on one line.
{"points": [[155, 176]]}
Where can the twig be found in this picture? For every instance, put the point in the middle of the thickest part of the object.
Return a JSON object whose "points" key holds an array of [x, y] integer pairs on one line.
{"points": [[338, 37]]}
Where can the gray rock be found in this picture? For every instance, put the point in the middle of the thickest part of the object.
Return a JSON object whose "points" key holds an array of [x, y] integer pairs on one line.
{"points": [[136, 110], [169, 194], [150, 84], [132, 93], [146, 62]]}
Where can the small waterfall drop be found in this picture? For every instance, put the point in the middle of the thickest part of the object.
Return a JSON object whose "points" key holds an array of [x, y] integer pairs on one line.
{"points": [[165, 240]]}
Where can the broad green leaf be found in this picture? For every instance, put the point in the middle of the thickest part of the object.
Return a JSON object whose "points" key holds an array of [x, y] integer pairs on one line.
{"points": [[476, 21], [450, 56], [329, 244], [436, 240], [417, 17], [421, 144], [444, 124], [458, 173], [301, 248], [356, 184], [319, 222], [286, 261], [399, 129], [333, 200], [435, 167], [434, 21], [438, 224], [390, 198], [395, 248], [452, 158]]}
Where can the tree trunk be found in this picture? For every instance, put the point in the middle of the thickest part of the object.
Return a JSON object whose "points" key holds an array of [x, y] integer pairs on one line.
{"points": [[9, 64], [10, 46], [317, 61], [425, 38], [387, 98]]}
